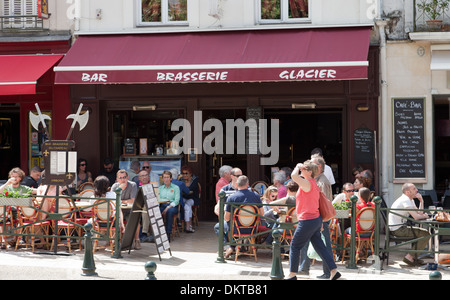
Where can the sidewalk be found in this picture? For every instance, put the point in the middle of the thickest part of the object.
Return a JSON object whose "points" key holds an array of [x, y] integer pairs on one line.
{"points": [[193, 258]]}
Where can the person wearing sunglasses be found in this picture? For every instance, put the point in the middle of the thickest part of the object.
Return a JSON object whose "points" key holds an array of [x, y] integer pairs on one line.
{"points": [[347, 192], [193, 198], [83, 175], [129, 192], [148, 167]]}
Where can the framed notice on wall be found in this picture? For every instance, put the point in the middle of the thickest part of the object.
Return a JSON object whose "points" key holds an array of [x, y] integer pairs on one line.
{"points": [[409, 140]]}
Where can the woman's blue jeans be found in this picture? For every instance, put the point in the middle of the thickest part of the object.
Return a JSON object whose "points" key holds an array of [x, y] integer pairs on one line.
{"points": [[309, 230], [172, 211]]}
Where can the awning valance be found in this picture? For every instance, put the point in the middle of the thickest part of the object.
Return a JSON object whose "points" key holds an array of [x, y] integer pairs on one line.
{"points": [[213, 56], [19, 73]]}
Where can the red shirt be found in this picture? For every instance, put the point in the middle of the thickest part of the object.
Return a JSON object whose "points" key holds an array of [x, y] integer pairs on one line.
{"points": [[358, 208], [219, 185], [308, 203]]}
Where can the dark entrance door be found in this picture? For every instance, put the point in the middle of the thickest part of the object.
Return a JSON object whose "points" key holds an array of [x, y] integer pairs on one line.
{"points": [[303, 130], [215, 161], [9, 140]]}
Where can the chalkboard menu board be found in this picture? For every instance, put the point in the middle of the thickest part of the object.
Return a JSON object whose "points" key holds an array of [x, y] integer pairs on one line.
{"points": [[363, 146], [129, 147], [409, 140]]}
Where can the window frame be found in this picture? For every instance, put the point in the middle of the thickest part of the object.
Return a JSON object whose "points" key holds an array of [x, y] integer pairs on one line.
{"points": [[284, 14], [164, 16]]}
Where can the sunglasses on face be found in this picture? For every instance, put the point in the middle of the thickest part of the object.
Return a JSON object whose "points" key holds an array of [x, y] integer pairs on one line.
{"points": [[348, 191], [185, 173], [146, 167], [124, 177], [82, 165]]}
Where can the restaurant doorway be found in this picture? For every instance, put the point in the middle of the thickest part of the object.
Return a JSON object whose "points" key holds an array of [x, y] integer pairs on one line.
{"points": [[303, 130], [442, 145], [9, 140], [215, 161]]}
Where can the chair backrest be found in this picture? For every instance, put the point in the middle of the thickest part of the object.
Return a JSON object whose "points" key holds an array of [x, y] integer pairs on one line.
{"points": [[101, 210], [291, 216], [86, 186], [366, 218], [29, 212], [65, 208], [87, 193], [245, 219]]}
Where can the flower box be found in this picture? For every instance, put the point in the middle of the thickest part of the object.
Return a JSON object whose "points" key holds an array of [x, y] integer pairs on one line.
{"points": [[343, 214], [16, 201]]}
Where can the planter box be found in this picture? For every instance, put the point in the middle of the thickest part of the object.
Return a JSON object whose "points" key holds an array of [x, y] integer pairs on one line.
{"points": [[16, 201], [342, 214]]}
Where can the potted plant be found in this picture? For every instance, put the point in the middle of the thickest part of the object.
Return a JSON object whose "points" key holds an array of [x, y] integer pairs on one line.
{"points": [[343, 209], [15, 199], [434, 9]]}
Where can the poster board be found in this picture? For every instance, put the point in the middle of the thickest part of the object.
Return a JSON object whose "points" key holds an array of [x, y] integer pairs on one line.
{"points": [[156, 220], [146, 195], [409, 140]]}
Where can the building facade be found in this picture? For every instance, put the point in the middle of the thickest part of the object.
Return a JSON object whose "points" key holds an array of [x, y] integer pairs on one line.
{"points": [[138, 66], [414, 74]]}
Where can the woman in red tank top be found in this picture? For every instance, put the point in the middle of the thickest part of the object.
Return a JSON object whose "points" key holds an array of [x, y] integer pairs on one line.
{"points": [[310, 222]]}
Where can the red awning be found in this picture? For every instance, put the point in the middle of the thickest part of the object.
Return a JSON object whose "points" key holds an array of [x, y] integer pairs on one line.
{"points": [[225, 56], [19, 73]]}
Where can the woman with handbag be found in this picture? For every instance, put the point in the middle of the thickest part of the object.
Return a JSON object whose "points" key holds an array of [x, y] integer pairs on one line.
{"points": [[310, 221]]}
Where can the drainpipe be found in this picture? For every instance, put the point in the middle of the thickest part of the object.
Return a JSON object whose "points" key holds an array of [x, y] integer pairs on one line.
{"points": [[384, 103]]}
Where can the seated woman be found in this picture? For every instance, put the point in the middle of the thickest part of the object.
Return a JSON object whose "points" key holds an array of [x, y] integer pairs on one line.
{"points": [[270, 194], [191, 199], [364, 195], [171, 193], [102, 190]]}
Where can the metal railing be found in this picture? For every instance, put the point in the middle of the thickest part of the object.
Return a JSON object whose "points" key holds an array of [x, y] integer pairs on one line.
{"points": [[421, 16], [56, 216], [21, 23], [380, 252]]}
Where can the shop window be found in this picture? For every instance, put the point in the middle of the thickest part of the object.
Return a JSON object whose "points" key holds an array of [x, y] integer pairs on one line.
{"points": [[278, 11], [162, 12], [15, 13]]}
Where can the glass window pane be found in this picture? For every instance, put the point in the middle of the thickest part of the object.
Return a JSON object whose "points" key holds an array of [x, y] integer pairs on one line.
{"points": [[270, 9], [298, 8], [177, 10], [151, 10]]}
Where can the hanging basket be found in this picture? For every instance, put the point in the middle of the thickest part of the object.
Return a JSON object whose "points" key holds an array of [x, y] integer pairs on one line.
{"points": [[342, 214], [16, 201]]}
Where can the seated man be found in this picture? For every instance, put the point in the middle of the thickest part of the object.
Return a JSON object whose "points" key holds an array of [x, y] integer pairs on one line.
{"points": [[129, 192], [243, 195], [397, 224], [33, 180]]}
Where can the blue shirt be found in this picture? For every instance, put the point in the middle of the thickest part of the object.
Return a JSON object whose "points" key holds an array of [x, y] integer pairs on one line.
{"points": [[183, 189], [242, 196]]}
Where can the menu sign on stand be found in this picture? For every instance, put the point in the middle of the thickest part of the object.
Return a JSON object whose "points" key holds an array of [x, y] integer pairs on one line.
{"points": [[409, 140], [156, 220], [146, 195]]}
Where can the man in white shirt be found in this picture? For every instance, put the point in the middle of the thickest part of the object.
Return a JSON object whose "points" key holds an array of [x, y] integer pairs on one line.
{"points": [[397, 223], [328, 172]]}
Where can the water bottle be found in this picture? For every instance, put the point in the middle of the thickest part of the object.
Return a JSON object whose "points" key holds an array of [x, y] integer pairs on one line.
{"points": [[262, 190]]}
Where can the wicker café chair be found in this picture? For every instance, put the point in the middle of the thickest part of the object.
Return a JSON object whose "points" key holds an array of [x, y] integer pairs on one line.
{"points": [[104, 221], [66, 208], [245, 224], [27, 216], [364, 237]]}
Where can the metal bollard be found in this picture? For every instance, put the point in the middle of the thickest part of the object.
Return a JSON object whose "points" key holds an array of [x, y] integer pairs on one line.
{"points": [[88, 261], [352, 263], [150, 267], [277, 269]]}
